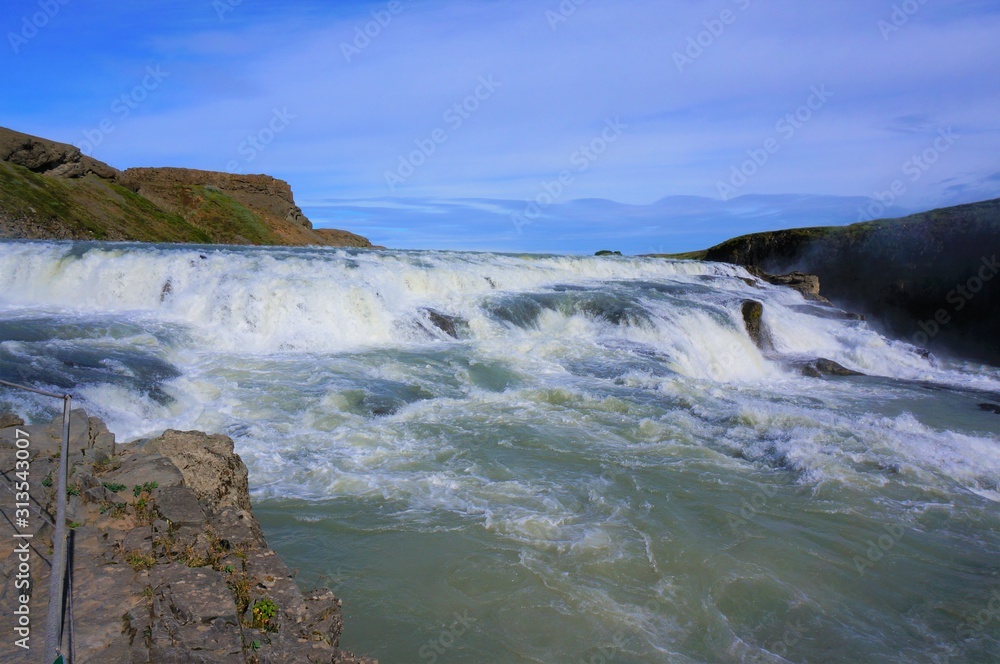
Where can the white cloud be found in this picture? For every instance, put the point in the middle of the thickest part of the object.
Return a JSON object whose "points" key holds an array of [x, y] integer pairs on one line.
{"points": [[685, 129]]}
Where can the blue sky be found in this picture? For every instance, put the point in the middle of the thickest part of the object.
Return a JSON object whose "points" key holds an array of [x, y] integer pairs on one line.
{"points": [[568, 125]]}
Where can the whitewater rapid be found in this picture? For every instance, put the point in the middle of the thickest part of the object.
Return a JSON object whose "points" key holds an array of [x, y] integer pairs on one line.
{"points": [[572, 449], [282, 300]]}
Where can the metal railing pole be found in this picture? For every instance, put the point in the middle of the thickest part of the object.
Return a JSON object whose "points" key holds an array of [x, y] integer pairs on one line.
{"points": [[56, 619], [57, 576]]}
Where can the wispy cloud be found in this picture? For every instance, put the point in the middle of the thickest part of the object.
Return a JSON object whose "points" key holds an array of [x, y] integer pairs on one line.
{"points": [[606, 60]]}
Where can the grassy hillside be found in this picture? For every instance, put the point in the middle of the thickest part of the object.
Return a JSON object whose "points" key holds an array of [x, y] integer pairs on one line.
{"points": [[50, 190], [97, 209], [86, 208]]}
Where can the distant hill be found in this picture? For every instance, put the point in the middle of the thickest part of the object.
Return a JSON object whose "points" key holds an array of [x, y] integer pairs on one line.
{"points": [[50, 190], [930, 278]]}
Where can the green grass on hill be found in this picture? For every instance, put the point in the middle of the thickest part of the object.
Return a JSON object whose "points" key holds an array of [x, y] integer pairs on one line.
{"points": [[96, 209]]}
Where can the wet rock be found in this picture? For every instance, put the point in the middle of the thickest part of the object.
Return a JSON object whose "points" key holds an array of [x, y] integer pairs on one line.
{"points": [[450, 325], [990, 407], [824, 367], [166, 290], [753, 320]]}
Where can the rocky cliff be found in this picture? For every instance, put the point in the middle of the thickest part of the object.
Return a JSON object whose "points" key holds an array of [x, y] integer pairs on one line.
{"points": [[49, 190], [48, 157], [168, 563], [930, 279]]}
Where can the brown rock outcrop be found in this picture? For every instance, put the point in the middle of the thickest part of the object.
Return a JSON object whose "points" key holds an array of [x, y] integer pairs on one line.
{"points": [[49, 157], [168, 563], [807, 284], [261, 193], [209, 465]]}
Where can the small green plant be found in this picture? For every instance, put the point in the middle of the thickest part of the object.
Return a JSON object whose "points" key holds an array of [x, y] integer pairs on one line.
{"points": [[145, 512], [74, 524], [146, 487], [264, 611], [106, 465], [192, 558], [73, 490], [240, 584], [139, 560], [147, 592], [228, 569], [48, 479], [255, 645], [117, 510], [114, 487]]}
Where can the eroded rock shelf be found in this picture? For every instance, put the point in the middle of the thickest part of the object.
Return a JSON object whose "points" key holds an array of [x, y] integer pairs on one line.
{"points": [[168, 562]]}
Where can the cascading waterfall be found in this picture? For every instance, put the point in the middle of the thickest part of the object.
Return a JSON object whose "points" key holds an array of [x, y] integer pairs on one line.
{"points": [[589, 456]]}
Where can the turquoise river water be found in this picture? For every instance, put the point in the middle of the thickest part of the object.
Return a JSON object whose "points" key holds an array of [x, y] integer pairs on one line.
{"points": [[520, 459]]}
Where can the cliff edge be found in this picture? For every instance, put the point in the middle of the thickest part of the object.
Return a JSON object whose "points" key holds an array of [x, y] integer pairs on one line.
{"points": [[929, 279], [50, 190], [168, 563]]}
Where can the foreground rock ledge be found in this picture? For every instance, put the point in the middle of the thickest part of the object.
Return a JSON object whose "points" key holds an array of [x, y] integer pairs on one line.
{"points": [[169, 564]]}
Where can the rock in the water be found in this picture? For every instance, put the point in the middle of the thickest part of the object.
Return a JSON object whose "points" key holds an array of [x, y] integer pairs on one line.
{"points": [[450, 325], [990, 407], [753, 320], [825, 367], [608, 252]]}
